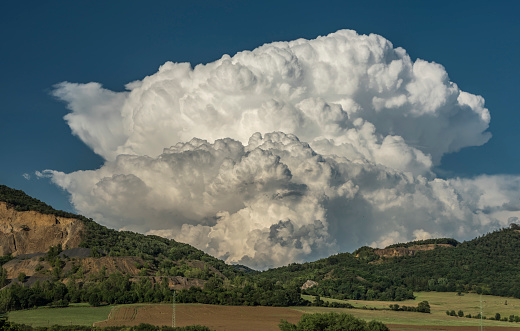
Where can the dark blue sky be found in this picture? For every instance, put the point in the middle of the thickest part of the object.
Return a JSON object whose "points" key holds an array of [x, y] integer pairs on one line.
{"points": [[115, 42]]}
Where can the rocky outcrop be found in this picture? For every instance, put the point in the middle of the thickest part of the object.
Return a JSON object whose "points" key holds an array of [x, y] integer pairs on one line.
{"points": [[89, 265], [35, 268], [177, 282], [407, 251], [27, 232], [308, 284]]}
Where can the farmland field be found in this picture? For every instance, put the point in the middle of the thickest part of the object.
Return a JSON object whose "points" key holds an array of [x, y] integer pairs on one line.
{"points": [[469, 303], [80, 314], [215, 317], [267, 318]]}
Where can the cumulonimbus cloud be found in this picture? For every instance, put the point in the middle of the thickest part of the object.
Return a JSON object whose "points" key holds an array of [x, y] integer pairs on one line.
{"points": [[289, 152]]}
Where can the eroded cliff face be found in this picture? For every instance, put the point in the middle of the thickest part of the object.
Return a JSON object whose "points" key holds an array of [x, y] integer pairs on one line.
{"points": [[407, 251], [26, 232]]}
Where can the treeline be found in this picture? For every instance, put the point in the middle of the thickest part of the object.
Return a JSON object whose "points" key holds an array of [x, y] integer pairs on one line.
{"points": [[112, 289], [20, 201], [422, 307], [436, 241], [10, 326], [332, 321], [496, 317], [116, 288], [263, 294]]}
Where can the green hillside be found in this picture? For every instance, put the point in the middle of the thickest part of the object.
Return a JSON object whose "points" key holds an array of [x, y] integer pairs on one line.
{"points": [[159, 252], [163, 259], [489, 264]]}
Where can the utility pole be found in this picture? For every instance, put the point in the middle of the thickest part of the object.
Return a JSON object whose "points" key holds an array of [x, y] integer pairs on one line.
{"points": [[173, 310], [481, 312]]}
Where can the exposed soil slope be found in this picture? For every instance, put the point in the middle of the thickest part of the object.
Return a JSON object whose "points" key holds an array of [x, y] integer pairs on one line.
{"points": [[407, 251], [26, 232]]}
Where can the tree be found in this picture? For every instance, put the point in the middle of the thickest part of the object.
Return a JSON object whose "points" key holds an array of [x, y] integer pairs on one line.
{"points": [[3, 277], [423, 307], [21, 277], [94, 300], [460, 313]]}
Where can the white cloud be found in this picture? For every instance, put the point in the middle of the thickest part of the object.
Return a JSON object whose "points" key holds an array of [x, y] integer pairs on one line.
{"points": [[316, 89], [351, 128], [275, 200]]}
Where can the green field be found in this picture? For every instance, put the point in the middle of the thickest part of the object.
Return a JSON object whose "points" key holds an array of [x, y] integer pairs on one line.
{"points": [[80, 314], [439, 303]]}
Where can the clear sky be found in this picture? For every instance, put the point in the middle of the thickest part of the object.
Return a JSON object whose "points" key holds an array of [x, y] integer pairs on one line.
{"points": [[116, 42]]}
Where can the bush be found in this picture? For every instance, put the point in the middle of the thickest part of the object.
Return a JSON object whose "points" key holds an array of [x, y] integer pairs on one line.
{"points": [[21, 277], [332, 321], [94, 300]]}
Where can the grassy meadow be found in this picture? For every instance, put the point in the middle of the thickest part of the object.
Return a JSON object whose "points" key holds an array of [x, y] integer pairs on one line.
{"points": [[469, 303], [76, 314]]}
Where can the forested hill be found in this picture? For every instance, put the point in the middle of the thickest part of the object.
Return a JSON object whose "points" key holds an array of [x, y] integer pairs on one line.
{"points": [[489, 264], [160, 253], [139, 268], [113, 267]]}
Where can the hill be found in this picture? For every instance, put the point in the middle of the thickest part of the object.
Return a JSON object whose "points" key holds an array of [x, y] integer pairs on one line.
{"points": [[29, 226], [489, 264], [53, 257]]}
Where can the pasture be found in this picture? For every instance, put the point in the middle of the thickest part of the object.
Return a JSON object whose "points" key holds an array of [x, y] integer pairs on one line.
{"points": [[439, 302], [267, 318], [77, 314]]}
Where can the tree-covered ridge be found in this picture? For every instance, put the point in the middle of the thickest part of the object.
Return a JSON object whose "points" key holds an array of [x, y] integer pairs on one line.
{"points": [[164, 258], [22, 202], [160, 252], [436, 241], [341, 276], [489, 264]]}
